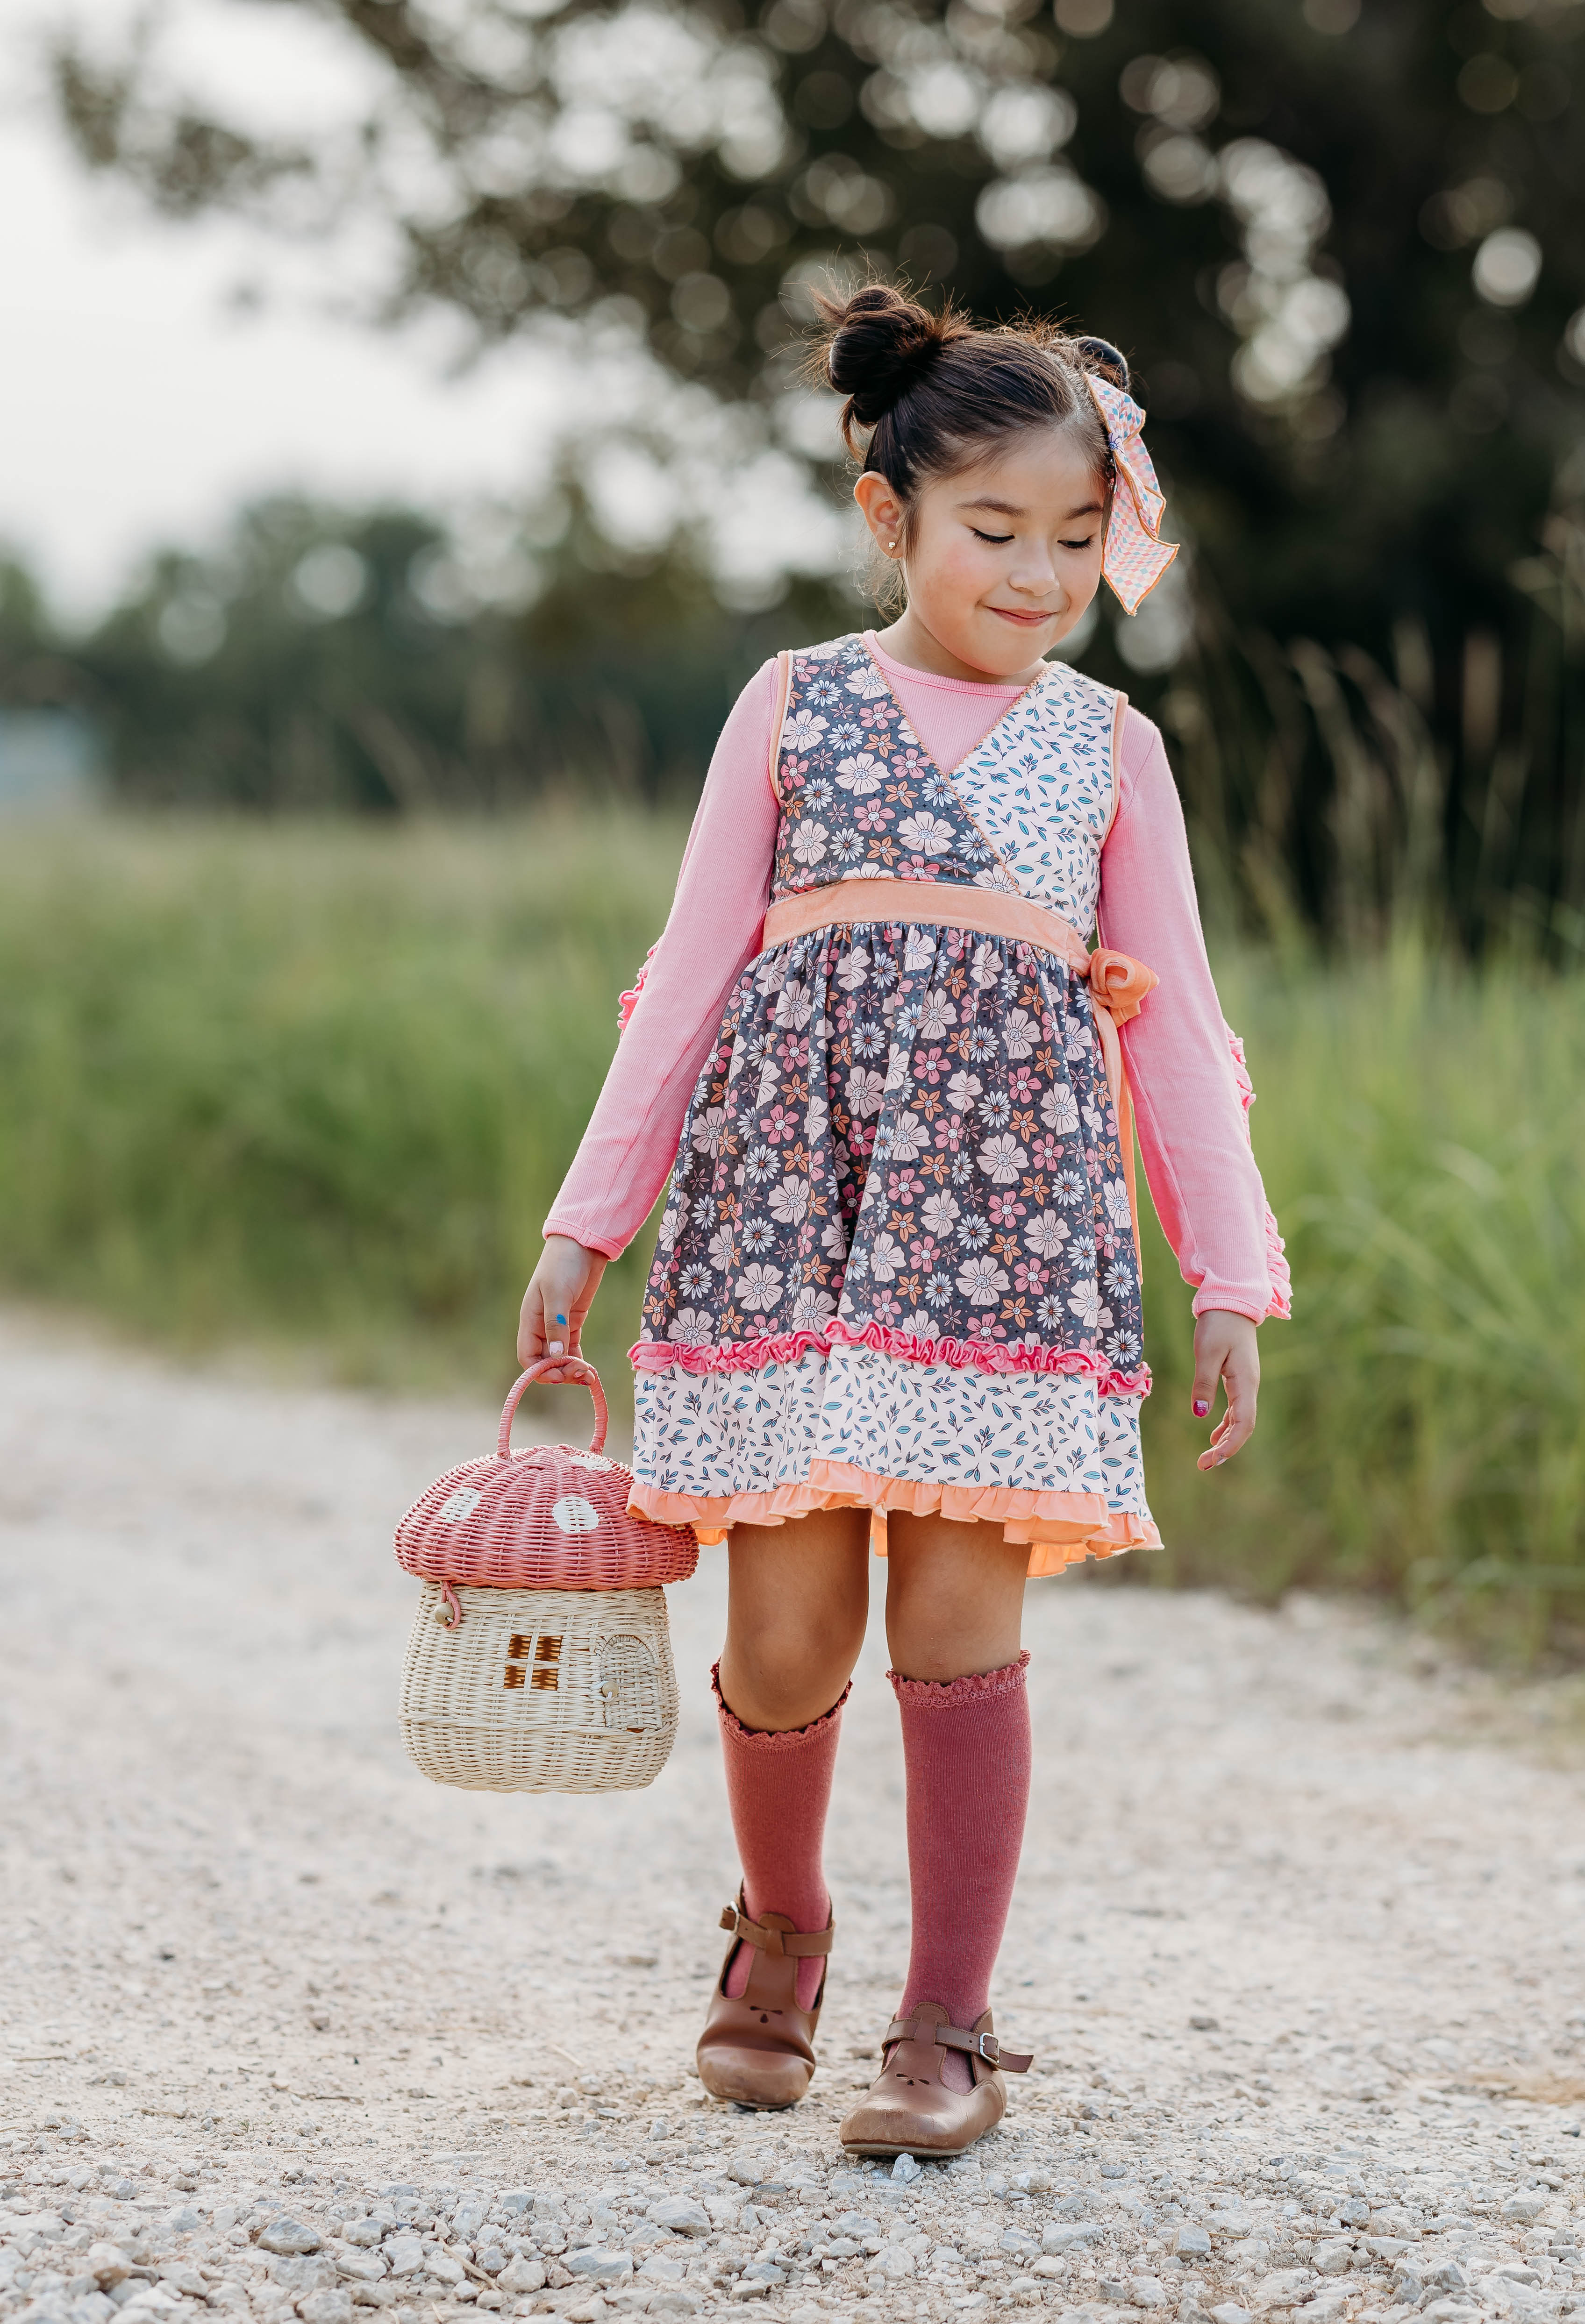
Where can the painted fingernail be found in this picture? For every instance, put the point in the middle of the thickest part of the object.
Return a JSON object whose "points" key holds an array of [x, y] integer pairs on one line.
{"points": [[555, 1348], [1200, 1409]]}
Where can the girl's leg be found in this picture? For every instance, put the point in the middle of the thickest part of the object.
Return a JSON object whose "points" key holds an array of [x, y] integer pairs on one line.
{"points": [[954, 1608], [798, 1598], [797, 1604], [954, 1597]]}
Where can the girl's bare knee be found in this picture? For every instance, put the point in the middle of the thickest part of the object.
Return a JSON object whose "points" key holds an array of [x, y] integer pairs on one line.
{"points": [[797, 1604], [786, 1676], [954, 1600]]}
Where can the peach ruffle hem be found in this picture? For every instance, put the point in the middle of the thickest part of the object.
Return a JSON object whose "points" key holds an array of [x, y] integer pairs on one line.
{"points": [[1060, 1530]]}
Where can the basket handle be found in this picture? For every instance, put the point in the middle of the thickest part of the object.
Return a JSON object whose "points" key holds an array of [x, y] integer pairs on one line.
{"points": [[561, 1365]]}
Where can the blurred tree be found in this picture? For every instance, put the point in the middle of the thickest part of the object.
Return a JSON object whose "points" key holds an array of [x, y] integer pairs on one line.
{"points": [[1342, 244], [33, 673], [324, 659], [1341, 241]]}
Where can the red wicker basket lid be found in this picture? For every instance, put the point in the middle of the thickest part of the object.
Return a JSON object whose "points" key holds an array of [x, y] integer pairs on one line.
{"points": [[548, 1517]]}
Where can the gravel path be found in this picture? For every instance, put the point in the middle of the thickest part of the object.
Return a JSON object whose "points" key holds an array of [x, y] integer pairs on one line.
{"points": [[283, 2026]]}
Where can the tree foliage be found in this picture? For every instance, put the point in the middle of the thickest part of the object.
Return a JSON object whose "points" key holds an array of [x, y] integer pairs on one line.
{"points": [[1339, 242], [1342, 246], [322, 659]]}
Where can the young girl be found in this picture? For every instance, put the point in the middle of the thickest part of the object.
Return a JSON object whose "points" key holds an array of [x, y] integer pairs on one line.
{"points": [[897, 1290]]}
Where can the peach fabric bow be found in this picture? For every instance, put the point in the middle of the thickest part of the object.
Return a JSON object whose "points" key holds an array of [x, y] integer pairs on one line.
{"points": [[1118, 985], [1134, 556]]}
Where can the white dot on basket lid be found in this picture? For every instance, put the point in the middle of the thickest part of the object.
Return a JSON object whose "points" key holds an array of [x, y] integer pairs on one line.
{"points": [[573, 1514], [462, 1504], [590, 1460]]}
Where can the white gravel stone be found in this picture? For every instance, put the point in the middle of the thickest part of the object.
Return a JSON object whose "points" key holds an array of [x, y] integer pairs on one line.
{"points": [[681, 2214], [255, 2012], [598, 2265], [325, 2308], [895, 2263], [288, 2236], [1283, 2288], [364, 2235], [359, 2266], [522, 2275]]}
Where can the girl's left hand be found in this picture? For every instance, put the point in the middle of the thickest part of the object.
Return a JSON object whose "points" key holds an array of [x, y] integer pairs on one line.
{"points": [[1225, 1350]]}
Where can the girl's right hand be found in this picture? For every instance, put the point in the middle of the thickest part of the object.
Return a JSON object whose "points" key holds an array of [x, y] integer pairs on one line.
{"points": [[559, 1294]]}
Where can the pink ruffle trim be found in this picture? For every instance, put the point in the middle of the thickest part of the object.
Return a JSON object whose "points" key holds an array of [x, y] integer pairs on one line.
{"points": [[1060, 1529], [1280, 1303], [956, 1694], [626, 1002], [981, 1355], [768, 1739]]}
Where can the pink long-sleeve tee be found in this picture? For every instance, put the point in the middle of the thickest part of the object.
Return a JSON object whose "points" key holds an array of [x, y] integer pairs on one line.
{"points": [[1197, 1163]]}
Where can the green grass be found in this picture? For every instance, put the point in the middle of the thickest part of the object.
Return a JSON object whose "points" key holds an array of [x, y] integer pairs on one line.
{"points": [[1420, 1131], [314, 1086]]}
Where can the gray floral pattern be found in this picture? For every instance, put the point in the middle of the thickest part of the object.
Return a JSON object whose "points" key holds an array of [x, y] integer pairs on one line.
{"points": [[903, 1136]]}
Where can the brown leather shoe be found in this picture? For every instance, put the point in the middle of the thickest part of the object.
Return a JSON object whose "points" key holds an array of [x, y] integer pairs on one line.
{"points": [[759, 2050], [909, 2109]]}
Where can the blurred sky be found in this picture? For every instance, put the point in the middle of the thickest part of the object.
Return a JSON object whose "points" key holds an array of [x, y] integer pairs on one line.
{"points": [[137, 405]]}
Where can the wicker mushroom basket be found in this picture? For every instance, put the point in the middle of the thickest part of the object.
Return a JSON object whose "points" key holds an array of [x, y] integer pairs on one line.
{"points": [[540, 1658]]}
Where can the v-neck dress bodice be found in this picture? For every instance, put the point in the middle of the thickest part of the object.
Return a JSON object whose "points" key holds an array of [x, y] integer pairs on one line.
{"points": [[1027, 810], [896, 1267]]}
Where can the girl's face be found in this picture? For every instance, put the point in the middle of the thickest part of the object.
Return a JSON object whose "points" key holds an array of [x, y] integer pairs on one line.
{"points": [[1005, 558]]}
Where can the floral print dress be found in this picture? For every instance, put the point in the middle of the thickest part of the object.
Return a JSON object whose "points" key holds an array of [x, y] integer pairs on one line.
{"points": [[897, 1268]]}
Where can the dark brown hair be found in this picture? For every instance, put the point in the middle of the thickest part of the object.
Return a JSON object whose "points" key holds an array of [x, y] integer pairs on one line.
{"points": [[935, 394]]}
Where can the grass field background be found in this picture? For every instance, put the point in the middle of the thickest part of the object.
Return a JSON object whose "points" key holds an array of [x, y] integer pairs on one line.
{"points": [[312, 1086]]}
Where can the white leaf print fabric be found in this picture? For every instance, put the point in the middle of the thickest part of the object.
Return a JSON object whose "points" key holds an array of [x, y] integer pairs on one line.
{"points": [[714, 1435], [1040, 788]]}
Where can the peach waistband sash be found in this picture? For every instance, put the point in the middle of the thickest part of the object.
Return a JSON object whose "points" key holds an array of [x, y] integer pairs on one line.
{"points": [[937, 903], [1117, 982]]}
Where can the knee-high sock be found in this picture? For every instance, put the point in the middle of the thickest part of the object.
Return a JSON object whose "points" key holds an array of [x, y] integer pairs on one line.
{"points": [[778, 1788], [966, 1747]]}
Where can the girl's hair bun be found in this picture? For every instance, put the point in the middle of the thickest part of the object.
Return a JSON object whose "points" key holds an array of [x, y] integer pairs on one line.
{"points": [[876, 344], [1100, 355]]}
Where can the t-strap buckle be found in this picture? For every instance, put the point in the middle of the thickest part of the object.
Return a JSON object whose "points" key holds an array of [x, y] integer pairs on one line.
{"points": [[987, 2047]]}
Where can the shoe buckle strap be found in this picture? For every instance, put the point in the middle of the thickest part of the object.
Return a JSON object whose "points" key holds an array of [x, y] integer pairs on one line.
{"points": [[983, 2046], [778, 1944]]}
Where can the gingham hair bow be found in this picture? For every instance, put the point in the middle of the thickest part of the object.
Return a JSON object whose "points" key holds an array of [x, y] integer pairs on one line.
{"points": [[1134, 556]]}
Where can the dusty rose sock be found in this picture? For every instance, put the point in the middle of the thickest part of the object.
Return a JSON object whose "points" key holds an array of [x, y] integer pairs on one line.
{"points": [[778, 1788], [966, 1751]]}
